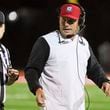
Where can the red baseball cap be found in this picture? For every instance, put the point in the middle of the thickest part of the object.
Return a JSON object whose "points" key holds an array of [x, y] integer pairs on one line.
{"points": [[70, 11]]}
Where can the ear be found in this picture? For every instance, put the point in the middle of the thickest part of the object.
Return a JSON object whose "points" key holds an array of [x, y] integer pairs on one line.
{"points": [[78, 28], [3, 28]]}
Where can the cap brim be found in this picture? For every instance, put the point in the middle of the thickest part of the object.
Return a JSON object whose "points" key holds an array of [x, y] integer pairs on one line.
{"points": [[69, 16]]}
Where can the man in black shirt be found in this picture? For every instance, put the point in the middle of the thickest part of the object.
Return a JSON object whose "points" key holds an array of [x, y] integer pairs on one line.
{"points": [[59, 62]]}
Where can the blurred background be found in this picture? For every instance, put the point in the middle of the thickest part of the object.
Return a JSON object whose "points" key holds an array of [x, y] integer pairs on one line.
{"points": [[26, 20]]}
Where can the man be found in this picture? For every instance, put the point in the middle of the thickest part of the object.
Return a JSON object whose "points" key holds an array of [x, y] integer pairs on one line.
{"points": [[59, 61], [8, 75]]}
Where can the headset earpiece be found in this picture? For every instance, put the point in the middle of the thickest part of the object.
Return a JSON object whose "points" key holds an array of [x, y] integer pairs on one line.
{"points": [[82, 17]]}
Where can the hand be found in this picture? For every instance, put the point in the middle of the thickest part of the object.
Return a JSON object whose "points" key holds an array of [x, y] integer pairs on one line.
{"points": [[40, 97], [106, 88], [13, 73]]}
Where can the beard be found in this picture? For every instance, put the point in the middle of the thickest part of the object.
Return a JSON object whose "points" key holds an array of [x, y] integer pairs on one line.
{"points": [[70, 34]]}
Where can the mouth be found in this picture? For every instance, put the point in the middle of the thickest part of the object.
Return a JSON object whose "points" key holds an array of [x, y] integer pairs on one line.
{"points": [[66, 30]]}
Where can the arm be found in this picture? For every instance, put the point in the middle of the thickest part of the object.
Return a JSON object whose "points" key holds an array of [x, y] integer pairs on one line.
{"points": [[95, 73], [34, 68], [12, 74], [36, 63]]}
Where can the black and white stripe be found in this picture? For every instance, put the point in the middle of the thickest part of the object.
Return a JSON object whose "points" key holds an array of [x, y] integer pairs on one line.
{"points": [[5, 63]]}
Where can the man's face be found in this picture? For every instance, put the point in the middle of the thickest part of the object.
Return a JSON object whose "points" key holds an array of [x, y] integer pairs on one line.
{"points": [[68, 26], [2, 30]]}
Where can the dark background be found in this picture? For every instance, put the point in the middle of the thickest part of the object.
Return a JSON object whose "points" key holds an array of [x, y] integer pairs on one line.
{"points": [[38, 17]]}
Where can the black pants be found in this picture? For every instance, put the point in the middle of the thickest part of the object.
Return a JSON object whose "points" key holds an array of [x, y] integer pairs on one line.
{"points": [[2, 106]]}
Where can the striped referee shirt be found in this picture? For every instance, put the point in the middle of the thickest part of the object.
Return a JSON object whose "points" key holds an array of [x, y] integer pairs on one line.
{"points": [[5, 63]]}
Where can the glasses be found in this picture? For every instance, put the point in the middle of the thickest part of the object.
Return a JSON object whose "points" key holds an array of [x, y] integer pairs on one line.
{"points": [[69, 20]]}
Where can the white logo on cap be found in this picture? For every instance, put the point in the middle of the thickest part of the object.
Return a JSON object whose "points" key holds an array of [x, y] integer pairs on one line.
{"points": [[69, 9]]}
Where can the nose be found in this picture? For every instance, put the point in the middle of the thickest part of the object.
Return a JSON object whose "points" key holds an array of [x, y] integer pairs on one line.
{"points": [[66, 23]]}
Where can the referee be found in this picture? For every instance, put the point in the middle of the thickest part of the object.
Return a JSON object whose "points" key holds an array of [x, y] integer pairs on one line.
{"points": [[8, 75]]}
